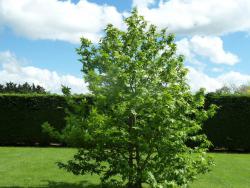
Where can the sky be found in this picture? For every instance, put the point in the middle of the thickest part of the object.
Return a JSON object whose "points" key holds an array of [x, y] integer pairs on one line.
{"points": [[38, 38]]}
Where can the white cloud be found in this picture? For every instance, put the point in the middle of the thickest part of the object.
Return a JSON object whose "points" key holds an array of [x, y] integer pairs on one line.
{"points": [[198, 79], [217, 69], [206, 46], [64, 20], [203, 17], [58, 20], [12, 70], [184, 48], [235, 78], [142, 3]]}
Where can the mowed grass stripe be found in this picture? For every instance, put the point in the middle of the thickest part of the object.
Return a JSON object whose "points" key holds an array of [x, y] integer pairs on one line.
{"points": [[35, 167]]}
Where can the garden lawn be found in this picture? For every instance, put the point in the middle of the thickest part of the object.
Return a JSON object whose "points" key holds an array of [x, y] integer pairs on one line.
{"points": [[35, 167]]}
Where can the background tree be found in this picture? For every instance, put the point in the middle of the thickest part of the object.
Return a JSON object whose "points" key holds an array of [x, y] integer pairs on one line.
{"points": [[224, 90], [243, 89], [143, 113], [11, 87]]}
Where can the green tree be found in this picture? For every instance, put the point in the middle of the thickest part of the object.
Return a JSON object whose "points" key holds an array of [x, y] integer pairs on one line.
{"points": [[233, 89], [143, 114], [243, 89], [11, 87], [224, 90]]}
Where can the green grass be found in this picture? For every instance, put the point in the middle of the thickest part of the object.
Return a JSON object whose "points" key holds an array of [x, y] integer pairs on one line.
{"points": [[35, 167], [231, 171]]}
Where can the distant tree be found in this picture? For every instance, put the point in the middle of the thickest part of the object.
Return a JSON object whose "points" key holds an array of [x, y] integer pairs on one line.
{"points": [[11, 87], [224, 90], [233, 89], [143, 112], [40, 89], [65, 90], [1, 88], [243, 89], [25, 88]]}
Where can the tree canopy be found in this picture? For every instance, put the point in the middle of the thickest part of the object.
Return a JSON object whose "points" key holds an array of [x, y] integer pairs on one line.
{"points": [[144, 125], [11, 87], [233, 89]]}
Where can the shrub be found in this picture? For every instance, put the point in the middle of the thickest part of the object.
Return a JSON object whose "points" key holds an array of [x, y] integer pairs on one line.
{"points": [[21, 117], [230, 127]]}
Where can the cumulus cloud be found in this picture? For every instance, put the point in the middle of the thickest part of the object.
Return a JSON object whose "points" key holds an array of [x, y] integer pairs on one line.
{"points": [[11, 69], [67, 21], [58, 20], [213, 17], [198, 79], [217, 69], [199, 20], [206, 46], [142, 3]]}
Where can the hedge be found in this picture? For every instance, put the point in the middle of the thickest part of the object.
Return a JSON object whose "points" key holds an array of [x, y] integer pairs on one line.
{"points": [[230, 128], [21, 117]]}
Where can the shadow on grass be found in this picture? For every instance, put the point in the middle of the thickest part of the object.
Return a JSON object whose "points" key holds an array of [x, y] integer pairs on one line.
{"points": [[83, 184], [52, 184]]}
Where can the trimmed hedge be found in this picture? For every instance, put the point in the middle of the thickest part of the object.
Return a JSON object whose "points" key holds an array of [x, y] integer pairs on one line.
{"points": [[21, 117], [230, 127]]}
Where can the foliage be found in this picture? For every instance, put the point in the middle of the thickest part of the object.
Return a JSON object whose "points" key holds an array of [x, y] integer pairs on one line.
{"points": [[11, 87], [243, 89], [229, 128], [21, 116], [224, 90], [143, 112], [65, 90]]}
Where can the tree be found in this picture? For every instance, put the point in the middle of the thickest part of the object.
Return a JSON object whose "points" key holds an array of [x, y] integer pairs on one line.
{"points": [[224, 90], [143, 114], [243, 89], [11, 87]]}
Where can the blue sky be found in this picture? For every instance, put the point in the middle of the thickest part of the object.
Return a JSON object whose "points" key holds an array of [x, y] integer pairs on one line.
{"points": [[38, 38]]}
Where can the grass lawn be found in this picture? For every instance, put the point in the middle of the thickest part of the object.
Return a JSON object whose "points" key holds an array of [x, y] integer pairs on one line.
{"points": [[35, 167]]}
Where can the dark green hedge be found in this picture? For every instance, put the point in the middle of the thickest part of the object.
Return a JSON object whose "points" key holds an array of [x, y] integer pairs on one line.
{"points": [[21, 117], [230, 127]]}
